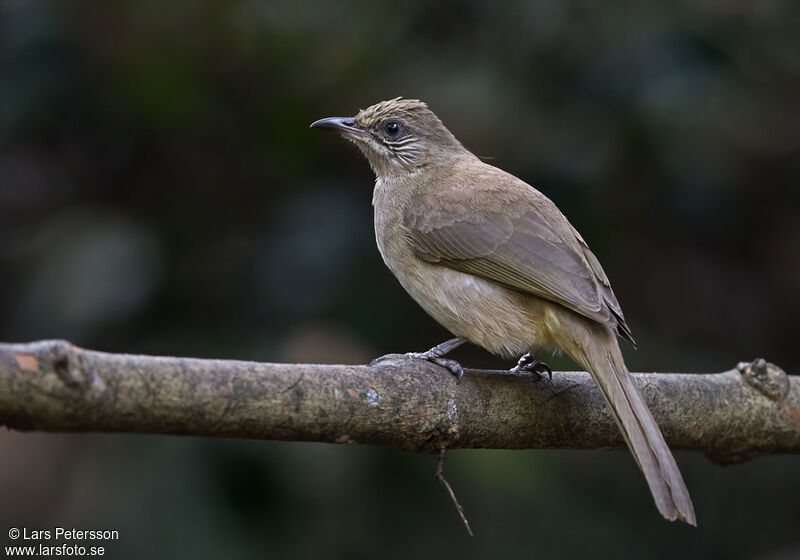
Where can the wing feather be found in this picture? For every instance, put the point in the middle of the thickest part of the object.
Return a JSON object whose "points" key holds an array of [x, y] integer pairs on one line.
{"points": [[522, 251]]}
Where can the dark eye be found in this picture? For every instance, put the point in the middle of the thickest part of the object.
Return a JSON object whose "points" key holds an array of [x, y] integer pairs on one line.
{"points": [[393, 129]]}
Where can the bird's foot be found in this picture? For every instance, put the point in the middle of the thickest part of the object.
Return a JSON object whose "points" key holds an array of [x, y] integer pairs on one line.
{"points": [[451, 365], [435, 355], [530, 364]]}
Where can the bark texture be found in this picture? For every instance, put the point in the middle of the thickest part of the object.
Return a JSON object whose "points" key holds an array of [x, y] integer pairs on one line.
{"points": [[751, 410]]}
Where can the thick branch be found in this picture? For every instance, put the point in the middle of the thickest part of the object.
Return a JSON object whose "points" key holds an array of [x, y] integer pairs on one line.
{"points": [[54, 386]]}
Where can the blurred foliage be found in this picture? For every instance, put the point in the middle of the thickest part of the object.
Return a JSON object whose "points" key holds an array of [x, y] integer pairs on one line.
{"points": [[160, 192]]}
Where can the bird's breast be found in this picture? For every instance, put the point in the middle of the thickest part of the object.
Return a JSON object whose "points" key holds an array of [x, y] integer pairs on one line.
{"points": [[504, 321]]}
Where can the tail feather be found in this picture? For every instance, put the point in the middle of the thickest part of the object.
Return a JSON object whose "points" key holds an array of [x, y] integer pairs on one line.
{"points": [[599, 353]]}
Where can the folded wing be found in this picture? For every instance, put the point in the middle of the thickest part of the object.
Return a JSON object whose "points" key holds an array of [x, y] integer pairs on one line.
{"points": [[521, 250]]}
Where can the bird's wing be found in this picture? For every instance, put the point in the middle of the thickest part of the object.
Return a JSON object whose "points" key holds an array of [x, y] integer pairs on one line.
{"points": [[518, 247]]}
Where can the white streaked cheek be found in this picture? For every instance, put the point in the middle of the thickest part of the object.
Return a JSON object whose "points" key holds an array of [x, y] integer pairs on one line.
{"points": [[407, 158], [403, 142]]}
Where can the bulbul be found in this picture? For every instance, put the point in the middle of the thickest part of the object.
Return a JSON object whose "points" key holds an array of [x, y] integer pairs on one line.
{"points": [[496, 263]]}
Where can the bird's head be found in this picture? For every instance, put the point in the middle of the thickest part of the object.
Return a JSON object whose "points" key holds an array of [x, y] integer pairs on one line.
{"points": [[399, 136]]}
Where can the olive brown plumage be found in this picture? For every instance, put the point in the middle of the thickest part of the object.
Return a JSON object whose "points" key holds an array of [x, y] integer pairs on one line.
{"points": [[495, 262]]}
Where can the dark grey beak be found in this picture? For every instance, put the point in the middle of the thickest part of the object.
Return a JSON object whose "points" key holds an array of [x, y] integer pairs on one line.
{"points": [[340, 125]]}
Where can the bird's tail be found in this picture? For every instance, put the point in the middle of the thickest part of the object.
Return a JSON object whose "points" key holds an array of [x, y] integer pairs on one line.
{"points": [[597, 350]]}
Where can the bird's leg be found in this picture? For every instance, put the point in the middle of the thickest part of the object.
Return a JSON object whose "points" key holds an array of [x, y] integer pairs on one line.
{"points": [[528, 362], [440, 349], [436, 354]]}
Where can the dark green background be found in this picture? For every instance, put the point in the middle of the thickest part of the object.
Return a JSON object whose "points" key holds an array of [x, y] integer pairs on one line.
{"points": [[160, 192]]}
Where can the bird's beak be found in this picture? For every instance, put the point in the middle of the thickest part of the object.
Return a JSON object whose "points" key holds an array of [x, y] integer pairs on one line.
{"points": [[345, 126]]}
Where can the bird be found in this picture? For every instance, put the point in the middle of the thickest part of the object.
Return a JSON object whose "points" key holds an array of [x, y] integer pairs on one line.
{"points": [[496, 263]]}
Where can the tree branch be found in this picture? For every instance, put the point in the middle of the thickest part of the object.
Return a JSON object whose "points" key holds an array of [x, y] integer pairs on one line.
{"points": [[732, 416]]}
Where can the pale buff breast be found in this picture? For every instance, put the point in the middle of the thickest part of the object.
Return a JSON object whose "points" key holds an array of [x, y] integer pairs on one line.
{"points": [[504, 322]]}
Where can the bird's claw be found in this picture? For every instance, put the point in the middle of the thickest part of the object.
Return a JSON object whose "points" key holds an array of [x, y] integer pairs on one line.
{"points": [[435, 355], [451, 365], [530, 364]]}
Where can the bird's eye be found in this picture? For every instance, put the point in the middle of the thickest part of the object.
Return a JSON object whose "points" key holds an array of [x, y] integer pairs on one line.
{"points": [[393, 129]]}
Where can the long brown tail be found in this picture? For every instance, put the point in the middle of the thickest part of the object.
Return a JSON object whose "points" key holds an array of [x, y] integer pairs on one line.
{"points": [[597, 350]]}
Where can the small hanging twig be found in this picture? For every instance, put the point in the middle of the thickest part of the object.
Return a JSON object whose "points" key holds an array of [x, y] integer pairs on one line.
{"points": [[440, 475]]}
